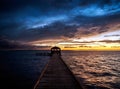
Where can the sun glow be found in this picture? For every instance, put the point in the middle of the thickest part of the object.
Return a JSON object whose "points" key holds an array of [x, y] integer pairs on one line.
{"points": [[105, 41], [97, 46]]}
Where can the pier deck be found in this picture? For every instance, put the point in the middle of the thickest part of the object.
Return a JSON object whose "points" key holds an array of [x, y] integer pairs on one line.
{"points": [[57, 75]]}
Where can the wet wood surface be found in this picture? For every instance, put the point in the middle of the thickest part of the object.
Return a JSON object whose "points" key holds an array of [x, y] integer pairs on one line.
{"points": [[56, 75]]}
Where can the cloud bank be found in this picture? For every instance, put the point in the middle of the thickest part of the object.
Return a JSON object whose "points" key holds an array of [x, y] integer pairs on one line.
{"points": [[29, 21]]}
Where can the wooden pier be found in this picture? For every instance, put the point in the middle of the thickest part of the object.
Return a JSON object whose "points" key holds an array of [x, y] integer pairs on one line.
{"points": [[56, 75]]}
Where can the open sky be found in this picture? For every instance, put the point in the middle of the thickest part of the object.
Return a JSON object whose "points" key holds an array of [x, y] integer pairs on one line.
{"points": [[69, 24]]}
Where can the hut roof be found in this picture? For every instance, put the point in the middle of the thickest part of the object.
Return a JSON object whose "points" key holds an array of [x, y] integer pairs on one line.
{"points": [[55, 47]]}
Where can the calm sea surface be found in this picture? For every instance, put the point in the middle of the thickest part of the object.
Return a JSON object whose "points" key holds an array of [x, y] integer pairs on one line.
{"points": [[20, 69], [95, 70]]}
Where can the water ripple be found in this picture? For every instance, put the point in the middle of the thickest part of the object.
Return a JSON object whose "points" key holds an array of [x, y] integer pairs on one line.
{"points": [[99, 70]]}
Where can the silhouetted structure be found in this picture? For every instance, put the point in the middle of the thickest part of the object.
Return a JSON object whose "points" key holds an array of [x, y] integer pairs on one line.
{"points": [[56, 50]]}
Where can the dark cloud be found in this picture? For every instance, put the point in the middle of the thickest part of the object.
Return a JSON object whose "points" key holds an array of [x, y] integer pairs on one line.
{"points": [[110, 41], [13, 45], [6, 44], [116, 35], [93, 25], [43, 5], [30, 20], [56, 6], [55, 30]]}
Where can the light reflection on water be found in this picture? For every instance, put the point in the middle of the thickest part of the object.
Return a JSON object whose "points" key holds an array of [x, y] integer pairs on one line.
{"points": [[97, 70]]}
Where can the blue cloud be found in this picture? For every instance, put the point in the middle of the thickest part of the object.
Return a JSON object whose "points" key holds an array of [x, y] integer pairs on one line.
{"points": [[95, 10], [40, 14]]}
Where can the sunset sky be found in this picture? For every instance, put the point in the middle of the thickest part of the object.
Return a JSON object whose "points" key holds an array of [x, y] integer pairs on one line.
{"points": [[69, 24]]}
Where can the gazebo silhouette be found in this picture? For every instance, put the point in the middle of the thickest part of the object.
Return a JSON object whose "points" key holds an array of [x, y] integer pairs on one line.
{"points": [[55, 50]]}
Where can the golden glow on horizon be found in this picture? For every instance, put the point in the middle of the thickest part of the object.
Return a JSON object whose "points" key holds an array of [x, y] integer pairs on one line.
{"points": [[104, 41], [117, 48], [87, 47]]}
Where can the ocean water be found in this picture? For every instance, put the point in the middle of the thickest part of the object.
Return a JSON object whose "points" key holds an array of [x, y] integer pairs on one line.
{"points": [[20, 69], [95, 70]]}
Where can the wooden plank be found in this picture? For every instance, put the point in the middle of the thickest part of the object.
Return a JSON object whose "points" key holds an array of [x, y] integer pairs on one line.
{"points": [[57, 75]]}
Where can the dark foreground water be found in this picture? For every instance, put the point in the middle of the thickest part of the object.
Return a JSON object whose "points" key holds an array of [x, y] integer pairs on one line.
{"points": [[95, 70], [20, 69]]}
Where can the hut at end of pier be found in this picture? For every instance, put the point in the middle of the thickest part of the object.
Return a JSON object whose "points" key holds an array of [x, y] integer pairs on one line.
{"points": [[55, 50]]}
